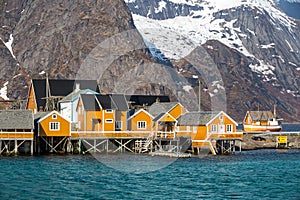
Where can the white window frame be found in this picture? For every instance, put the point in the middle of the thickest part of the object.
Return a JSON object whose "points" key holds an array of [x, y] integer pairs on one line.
{"points": [[109, 111], [195, 128], [120, 123], [54, 116], [214, 128], [141, 124], [55, 127], [109, 121], [231, 127]]}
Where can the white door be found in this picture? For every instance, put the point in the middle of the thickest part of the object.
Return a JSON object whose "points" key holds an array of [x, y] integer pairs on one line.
{"points": [[221, 128]]}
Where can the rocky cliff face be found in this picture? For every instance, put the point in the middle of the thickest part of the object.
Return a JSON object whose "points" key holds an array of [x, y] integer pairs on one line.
{"points": [[56, 37], [253, 43]]}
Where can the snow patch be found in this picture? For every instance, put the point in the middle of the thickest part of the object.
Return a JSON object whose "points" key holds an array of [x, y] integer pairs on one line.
{"points": [[17, 76], [293, 64], [266, 70], [291, 48], [42, 72], [250, 31], [187, 88], [9, 45], [268, 46], [3, 91], [161, 6], [278, 56]]}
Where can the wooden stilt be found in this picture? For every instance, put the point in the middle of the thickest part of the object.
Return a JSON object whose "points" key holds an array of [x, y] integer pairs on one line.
{"points": [[240, 146], [31, 147], [51, 150], [16, 147]]}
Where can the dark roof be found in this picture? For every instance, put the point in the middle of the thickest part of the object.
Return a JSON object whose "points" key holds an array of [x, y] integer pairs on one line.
{"points": [[106, 102], [261, 115], [39, 115], [146, 100], [60, 88], [158, 107], [16, 119], [158, 116], [89, 102], [196, 118], [75, 94], [120, 101]]}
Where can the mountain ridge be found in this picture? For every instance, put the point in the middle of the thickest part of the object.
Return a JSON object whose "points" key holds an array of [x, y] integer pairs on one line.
{"points": [[265, 37]]}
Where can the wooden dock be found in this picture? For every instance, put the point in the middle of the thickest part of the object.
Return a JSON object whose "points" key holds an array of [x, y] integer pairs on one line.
{"points": [[171, 154]]}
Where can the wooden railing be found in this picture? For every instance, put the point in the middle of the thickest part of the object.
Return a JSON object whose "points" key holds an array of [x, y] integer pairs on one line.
{"points": [[235, 135], [110, 134], [16, 135]]}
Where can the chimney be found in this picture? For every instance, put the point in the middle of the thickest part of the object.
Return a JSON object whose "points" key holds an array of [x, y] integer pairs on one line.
{"points": [[77, 87]]}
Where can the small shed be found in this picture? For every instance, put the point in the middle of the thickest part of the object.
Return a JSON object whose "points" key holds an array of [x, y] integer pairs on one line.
{"points": [[16, 131], [53, 124]]}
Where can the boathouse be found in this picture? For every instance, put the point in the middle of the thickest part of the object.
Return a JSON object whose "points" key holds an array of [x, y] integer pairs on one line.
{"points": [[53, 132], [213, 130], [16, 131]]}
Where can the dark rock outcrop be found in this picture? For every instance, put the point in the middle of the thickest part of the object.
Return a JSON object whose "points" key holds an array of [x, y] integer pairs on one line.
{"points": [[56, 37]]}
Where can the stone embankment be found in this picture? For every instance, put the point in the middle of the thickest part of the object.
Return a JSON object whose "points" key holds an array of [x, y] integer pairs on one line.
{"points": [[256, 141]]}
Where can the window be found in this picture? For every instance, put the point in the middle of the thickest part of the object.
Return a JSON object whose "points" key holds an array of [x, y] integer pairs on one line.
{"points": [[229, 128], [109, 121], [195, 129], [221, 118], [141, 125], [54, 116], [54, 126], [108, 111], [214, 128], [118, 125]]}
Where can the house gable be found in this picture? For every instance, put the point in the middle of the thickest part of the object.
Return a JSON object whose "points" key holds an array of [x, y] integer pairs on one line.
{"points": [[54, 124], [59, 88], [140, 116], [31, 101]]}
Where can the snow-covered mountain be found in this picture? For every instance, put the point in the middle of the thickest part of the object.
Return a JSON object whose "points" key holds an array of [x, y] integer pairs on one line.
{"points": [[256, 30]]}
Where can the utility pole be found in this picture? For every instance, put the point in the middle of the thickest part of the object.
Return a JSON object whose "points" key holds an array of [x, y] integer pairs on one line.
{"points": [[199, 97]]}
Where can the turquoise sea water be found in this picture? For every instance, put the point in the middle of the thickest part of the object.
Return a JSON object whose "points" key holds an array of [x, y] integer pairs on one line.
{"points": [[261, 174]]}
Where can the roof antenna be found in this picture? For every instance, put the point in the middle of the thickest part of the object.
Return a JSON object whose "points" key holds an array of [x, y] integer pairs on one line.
{"points": [[275, 110], [199, 97], [48, 94]]}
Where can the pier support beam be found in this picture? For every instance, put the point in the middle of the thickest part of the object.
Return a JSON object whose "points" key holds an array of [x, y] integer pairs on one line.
{"points": [[16, 147], [31, 147]]}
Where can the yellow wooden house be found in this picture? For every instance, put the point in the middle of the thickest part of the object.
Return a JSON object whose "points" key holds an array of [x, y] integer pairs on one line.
{"points": [[164, 125], [53, 124], [175, 109], [140, 121], [53, 132], [93, 117], [206, 128]]}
